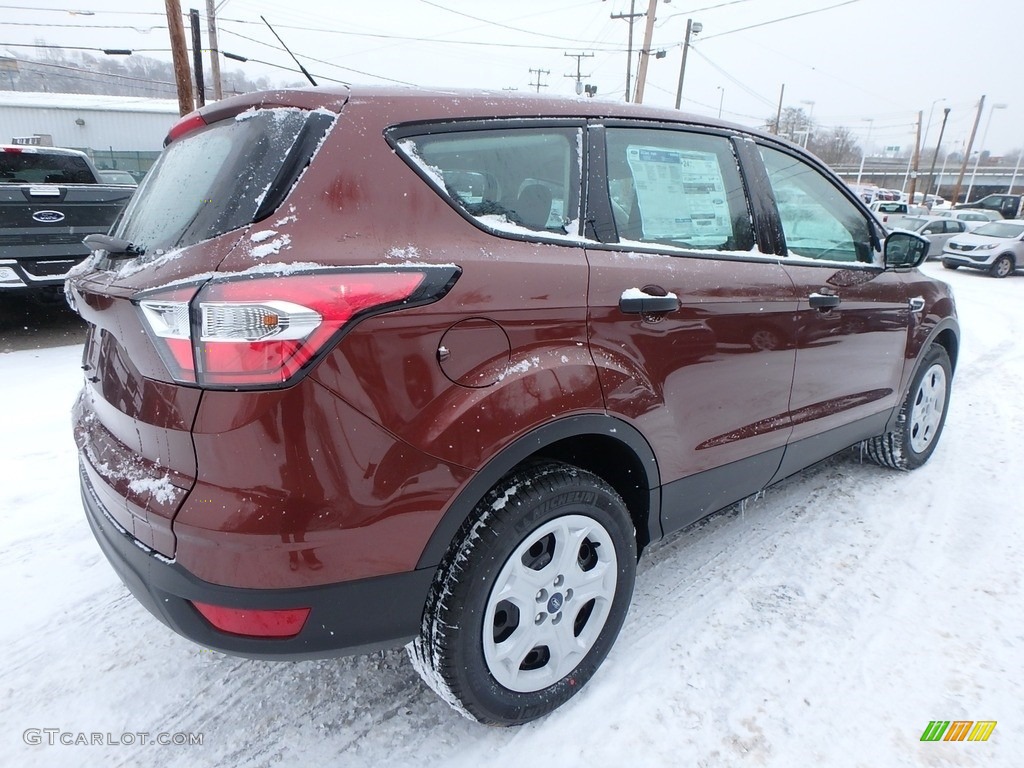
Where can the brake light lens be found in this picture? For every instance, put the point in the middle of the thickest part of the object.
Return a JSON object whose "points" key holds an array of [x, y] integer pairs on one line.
{"points": [[190, 122], [262, 330]]}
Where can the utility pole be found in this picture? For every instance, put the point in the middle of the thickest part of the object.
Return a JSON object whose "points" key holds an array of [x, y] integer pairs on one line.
{"points": [[631, 17], [778, 112], [692, 28], [197, 58], [538, 85], [645, 52], [917, 157], [211, 25], [179, 55], [578, 77], [935, 157], [967, 153]]}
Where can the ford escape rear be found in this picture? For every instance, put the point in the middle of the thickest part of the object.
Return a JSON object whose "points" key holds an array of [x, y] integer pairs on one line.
{"points": [[375, 366]]}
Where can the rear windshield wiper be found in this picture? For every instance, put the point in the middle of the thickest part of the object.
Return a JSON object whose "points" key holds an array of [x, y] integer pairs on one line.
{"points": [[114, 246]]}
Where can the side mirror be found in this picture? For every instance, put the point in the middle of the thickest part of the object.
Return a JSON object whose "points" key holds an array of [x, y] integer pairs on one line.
{"points": [[905, 250]]}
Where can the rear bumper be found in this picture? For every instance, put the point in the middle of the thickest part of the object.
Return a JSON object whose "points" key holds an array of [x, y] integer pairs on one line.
{"points": [[345, 619]]}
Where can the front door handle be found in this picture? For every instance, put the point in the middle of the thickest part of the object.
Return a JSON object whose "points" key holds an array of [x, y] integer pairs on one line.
{"points": [[823, 300], [647, 301]]}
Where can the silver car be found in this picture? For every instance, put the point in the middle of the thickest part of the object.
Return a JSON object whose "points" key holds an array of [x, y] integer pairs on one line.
{"points": [[973, 218], [935, 229], [997, 247]]}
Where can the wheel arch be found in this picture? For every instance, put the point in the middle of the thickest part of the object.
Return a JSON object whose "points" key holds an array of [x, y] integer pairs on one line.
{"points": [[602, 444], [946, 334]]}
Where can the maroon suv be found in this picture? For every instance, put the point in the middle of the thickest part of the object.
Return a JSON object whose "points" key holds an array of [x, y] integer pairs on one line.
{"points": [[368, 366]]}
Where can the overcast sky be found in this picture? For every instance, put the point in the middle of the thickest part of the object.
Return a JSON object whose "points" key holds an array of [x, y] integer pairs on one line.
{"points": [[870, 65]]}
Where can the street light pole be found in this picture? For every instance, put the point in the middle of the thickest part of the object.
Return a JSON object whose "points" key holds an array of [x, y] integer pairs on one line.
{"points": [[863, 152], [692, 28], [721, 98], [1013, 178], [810, 120], [928, 125]]}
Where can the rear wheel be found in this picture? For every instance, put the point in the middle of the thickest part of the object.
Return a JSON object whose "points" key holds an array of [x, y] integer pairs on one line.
{"points": [[1002, 267], [921, 416], [530, 597]]}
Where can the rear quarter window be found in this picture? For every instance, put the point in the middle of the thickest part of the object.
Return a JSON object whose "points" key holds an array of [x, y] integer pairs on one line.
{"points": [[517, 180]]}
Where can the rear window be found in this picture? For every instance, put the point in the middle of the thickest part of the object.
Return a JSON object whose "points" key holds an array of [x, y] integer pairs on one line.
{"points": [[220, 178], [42, 168]]}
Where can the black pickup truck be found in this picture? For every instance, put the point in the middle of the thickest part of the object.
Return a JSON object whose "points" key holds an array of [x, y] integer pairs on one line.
{"points": [[49, 200], [1008, 206]]}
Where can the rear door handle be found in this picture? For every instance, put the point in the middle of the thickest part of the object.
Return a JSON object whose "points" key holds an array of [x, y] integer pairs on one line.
{"points": [[640, 302], [823, 300]]}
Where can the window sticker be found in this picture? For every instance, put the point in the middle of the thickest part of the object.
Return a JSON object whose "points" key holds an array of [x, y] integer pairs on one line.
{"points": [[681, 195]]}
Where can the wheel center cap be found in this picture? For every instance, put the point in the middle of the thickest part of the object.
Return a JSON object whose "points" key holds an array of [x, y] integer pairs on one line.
{"points": [[555, 602]]}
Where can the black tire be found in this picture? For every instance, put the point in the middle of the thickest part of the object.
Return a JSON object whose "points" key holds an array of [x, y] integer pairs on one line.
{"points": [[1002, 267], [506, 636], [950, 265], [921, 417]]}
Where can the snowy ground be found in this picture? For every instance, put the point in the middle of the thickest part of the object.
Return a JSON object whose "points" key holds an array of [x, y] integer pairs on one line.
{"points": [[824, 624]]}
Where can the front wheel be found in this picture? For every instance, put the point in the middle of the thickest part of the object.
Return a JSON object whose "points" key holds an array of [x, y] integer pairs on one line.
{"points": [[950, 265], [530, 597], [1002, 267], [921, 416]]}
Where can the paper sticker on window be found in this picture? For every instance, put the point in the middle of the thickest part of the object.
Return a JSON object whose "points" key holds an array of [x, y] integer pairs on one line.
{"points": [[681, 195]]}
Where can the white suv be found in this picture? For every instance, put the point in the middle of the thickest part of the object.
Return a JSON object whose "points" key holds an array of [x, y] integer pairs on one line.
{"points": [[997, 247]]}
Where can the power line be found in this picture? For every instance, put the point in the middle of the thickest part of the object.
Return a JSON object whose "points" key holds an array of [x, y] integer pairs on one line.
{"points": [[498, 24], [318, 61], [783, 18], [94, 73], [80, 13], [408, 38]]}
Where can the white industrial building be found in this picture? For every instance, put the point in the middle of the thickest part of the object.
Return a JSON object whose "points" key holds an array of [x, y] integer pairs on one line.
{"points": [[124, 132]]}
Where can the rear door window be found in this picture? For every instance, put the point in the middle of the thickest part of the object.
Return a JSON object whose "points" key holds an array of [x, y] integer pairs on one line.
{"points": [[677, 188], [221, 177], [518, 180]]}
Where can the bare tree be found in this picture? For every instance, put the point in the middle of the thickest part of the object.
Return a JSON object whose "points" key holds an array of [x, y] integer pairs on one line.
{"points": [[836, 146]]}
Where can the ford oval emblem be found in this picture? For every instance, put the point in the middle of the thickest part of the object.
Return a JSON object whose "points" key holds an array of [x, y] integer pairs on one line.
{"points": [[48, 217]]}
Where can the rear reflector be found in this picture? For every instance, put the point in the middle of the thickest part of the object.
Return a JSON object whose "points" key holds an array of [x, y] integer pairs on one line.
{"points": [[262, 330], [253, 623]]}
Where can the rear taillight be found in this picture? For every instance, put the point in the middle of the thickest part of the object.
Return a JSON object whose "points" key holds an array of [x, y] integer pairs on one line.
{"points": [[262, 330]]}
